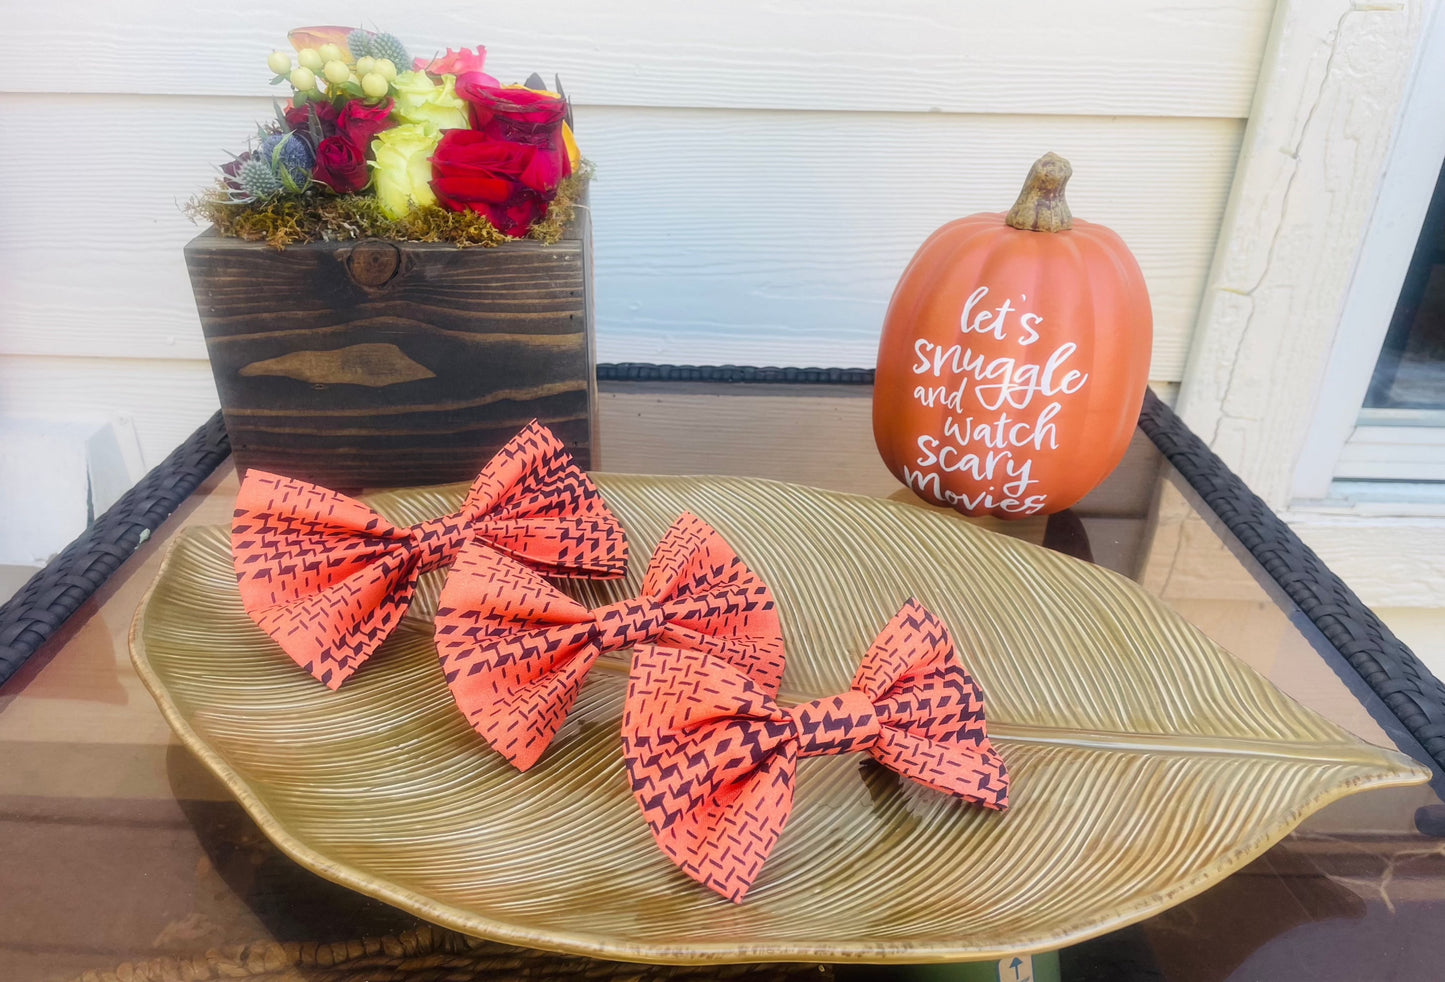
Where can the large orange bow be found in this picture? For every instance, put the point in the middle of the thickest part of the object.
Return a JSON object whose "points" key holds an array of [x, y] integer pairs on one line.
{"points": [[515, 650], [328, 578], [711, 756]]}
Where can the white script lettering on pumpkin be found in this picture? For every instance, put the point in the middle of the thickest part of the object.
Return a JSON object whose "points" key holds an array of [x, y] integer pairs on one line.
{"points": [[1001, 410]]}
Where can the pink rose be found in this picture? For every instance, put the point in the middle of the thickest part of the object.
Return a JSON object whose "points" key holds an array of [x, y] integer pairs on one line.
{"points": [[453, 62]]}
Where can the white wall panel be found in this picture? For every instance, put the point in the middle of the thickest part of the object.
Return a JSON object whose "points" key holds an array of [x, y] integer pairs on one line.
{"points": [[1134, 57], [764, 170], [777, 238], [721, 236]]}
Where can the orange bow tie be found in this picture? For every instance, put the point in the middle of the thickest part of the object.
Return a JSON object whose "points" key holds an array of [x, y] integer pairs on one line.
{"points": [[711, 756], [329, 579], [515, 650]]}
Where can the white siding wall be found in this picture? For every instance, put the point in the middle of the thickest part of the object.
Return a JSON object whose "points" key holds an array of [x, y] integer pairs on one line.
{"points": [[765, 170]]}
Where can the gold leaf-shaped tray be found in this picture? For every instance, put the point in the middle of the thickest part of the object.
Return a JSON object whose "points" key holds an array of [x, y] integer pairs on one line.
{"points": [[1147, 763]]}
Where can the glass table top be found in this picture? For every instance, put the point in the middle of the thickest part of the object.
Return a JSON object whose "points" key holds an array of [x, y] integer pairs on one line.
{"points": [[122, 855]]}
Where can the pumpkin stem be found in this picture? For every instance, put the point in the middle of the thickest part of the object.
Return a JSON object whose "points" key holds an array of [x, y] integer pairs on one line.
{"points": [[1041, 206]]}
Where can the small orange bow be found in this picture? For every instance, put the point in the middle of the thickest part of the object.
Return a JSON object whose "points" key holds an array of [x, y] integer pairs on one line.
{"points": [[712, 757], [515, 650], [329, 579]]}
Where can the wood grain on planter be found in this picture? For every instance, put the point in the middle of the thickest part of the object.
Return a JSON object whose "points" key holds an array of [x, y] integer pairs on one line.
{"points": [[394, 363]]}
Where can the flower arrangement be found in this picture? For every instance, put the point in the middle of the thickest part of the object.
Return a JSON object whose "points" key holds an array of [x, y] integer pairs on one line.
{"points": [[375, 143]]}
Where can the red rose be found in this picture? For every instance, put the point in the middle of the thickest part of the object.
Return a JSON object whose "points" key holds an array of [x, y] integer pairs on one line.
{"points": [[518, 115], [521, 116], [359, 122], [549, 165], [341, 165], [472, 171], [299, 117]]}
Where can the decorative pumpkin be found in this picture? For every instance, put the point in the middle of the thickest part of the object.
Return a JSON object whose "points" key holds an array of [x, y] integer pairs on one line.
{"points": [[1014, 357]]}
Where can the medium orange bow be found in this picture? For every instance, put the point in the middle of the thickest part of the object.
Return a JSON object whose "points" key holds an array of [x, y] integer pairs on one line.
{"points": [[711, 756], [515, 650], [328, 578]]}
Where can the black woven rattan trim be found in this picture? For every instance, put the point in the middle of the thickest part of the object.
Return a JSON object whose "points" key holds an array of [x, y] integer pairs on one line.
{"points": [[1383, 661], [54, 593], [631, 371]]}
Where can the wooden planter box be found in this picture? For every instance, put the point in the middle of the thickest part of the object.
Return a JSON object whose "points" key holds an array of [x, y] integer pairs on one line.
{"points": [[384, 364]]}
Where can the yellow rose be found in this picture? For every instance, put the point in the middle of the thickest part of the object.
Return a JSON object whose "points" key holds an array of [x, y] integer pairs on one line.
{"points": [[435, 107], [574, 156], [403, 168]]}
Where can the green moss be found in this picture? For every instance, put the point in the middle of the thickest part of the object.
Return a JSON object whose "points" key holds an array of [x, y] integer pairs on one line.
{"points": [[317, 216]]}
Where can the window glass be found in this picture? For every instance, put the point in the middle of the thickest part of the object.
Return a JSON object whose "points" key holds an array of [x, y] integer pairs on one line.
{"points": [[1410, 374]]}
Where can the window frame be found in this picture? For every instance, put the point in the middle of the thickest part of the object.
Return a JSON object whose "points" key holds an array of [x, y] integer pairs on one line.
{"points": [[1289, 324], [1282, 319], [1348, 444]]}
